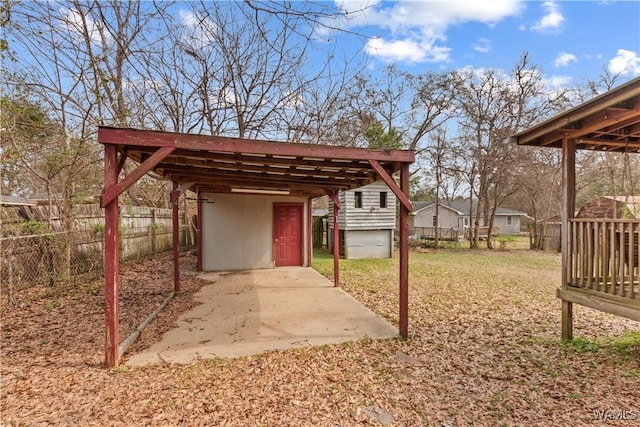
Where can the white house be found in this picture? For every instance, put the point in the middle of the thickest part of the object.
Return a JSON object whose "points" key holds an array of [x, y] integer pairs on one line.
{"points": [[366, 222]]}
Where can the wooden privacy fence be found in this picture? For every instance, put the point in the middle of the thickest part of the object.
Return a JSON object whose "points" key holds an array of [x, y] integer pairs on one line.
{"points": [[605, 256]]}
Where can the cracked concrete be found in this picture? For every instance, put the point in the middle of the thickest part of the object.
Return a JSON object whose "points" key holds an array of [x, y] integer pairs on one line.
{"points": [[251, 312]]}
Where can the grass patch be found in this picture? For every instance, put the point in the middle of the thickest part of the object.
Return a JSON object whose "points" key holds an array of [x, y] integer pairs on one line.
{"points": [[583, 345]]}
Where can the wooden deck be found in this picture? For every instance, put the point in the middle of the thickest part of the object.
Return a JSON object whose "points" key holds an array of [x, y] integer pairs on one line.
{"points": [[603, 270]]}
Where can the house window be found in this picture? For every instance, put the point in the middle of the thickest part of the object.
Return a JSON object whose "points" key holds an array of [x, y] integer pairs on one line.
{"points": [[383, 199], [509, 220], [358, 199], [466, 221], [434, 221]]}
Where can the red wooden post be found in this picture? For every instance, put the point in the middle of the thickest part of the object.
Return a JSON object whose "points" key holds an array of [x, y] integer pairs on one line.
{"points": [[404, 255], [336, 246], [310, 230], [111, 259], [199, 233], [175, 197]]}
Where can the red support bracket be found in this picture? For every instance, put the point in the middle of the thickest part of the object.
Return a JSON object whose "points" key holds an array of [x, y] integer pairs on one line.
{"points": [[333, 195], [112, 192], [391, 183]]}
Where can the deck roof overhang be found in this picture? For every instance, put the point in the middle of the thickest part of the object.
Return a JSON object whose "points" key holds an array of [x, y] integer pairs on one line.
{"points": [[609, 122], [225, 165]]}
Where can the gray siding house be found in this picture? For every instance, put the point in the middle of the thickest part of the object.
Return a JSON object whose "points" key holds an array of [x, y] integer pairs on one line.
{"points": [[454, 217], [366, 222]]}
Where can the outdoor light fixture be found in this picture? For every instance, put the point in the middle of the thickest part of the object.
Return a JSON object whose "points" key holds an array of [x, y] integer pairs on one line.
{"points": [[261, 191]]}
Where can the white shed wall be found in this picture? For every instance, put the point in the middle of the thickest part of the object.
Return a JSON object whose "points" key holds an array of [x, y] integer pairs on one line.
{"points": [[370, 216], [368, 244], [506, 228], [237, 231]]}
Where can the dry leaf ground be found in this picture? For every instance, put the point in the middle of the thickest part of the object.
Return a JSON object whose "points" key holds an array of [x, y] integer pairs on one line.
{"points": [[483, 350]]}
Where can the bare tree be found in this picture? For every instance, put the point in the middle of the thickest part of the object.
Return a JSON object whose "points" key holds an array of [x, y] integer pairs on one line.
{"points": [[493, 106]]}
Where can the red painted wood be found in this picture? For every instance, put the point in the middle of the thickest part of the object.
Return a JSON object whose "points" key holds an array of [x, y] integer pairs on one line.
{"points": [[333, 195], [113, 191], [288, 234], [391, 183], [336, 245], [136, 137], [111, 261], [121, 161], [310, 231], [175, 197], [403, 296], [199, 228]]}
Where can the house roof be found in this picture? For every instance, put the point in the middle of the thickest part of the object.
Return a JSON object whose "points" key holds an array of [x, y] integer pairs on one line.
{"points": [[610, 207], [225, 165], [609, 122], [462, 208]]}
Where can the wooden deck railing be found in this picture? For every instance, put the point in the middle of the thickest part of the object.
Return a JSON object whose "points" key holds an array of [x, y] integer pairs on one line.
{"points": [[605, 256]]}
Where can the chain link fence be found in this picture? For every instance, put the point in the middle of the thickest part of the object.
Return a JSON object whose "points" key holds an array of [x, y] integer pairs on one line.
{"points": [[47, 259]]}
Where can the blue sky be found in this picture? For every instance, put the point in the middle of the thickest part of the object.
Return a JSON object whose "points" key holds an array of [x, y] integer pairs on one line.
{"points": [[570, 41]]}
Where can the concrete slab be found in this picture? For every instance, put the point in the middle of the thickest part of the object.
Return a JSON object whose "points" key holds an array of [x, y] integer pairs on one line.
{"points": [[250, 312]]}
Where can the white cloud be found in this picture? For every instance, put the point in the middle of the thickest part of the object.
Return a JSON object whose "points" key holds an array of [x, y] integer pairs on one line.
{"points": [[77, 25], [625, 62], [406, 50], [199, 31], [552, 20], [558, 81], [417, 28], [564, 59], [483, 45]]}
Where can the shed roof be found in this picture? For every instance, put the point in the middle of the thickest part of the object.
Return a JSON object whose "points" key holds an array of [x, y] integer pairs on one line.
{"points": [[609, 122], [462, 208], [225, 165]]}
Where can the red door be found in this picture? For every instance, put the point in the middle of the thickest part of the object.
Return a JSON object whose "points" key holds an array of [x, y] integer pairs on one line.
{"points": [[287, 234]]}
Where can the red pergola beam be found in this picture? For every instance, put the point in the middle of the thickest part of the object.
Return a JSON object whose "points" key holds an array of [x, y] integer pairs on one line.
{"points": [[147, 138]]}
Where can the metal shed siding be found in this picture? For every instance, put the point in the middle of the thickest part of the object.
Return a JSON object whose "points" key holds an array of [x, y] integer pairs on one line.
{"points": [[369, 244], [238, 231]]}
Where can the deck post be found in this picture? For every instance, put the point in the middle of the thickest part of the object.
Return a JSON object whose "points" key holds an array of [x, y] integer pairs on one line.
{"points": [[404, 255], [111, 259], [569, 200], [175, 198]]}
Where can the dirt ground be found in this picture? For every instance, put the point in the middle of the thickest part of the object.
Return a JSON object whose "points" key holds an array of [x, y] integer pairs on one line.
{"points": [[483, 358]]}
